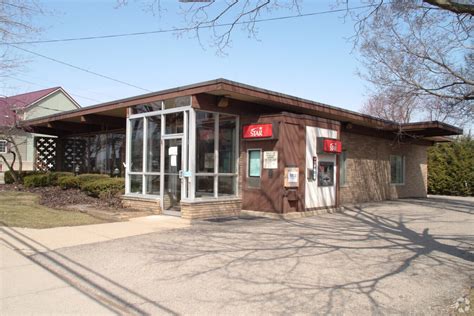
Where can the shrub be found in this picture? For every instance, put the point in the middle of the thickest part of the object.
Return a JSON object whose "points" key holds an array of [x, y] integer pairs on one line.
{"points": [[9, 179], [69, 182], [88, 177], [55, 176], [451, 167], [37, 180], [104, 187]]}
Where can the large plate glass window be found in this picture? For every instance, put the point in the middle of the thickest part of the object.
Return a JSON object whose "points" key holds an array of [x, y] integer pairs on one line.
{"points": [[216, 155], [136, 145], [205, 142], [153, 143]]}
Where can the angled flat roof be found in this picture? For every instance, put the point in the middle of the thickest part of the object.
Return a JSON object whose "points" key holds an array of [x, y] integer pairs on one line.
{"points": [[240, 91]]}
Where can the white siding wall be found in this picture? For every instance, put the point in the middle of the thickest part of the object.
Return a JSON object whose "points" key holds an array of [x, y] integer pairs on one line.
{"points": [[316, 196]]}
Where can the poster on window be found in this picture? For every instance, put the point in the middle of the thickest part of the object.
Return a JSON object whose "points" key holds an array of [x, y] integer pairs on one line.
{"points": [[209, 161]]}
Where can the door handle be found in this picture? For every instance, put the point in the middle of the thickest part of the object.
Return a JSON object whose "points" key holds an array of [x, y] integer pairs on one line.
{"points": [[180, 174]]}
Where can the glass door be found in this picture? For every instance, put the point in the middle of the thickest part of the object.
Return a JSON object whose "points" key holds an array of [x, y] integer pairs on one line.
{"points": [[172, 174]]}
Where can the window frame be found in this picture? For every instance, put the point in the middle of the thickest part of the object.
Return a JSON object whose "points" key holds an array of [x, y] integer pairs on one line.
{"points": [[248, 162], [5, 146], [216, 174], [254, 182], [402, 182], [143, 172]]}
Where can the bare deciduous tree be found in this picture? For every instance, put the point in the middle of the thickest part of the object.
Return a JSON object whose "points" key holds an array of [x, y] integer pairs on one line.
{"points": [[422, 52], [12, 158], [422, 48], [394, 105], [16, 23]]}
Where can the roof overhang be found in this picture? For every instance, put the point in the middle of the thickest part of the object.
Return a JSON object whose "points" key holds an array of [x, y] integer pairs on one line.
{"points": [[221, 87]]}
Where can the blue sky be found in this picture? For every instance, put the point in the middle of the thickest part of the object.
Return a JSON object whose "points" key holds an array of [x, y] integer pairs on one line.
{"points": [[308, 57]]}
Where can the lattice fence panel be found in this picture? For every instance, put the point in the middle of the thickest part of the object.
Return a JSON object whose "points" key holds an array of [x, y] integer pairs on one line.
{"points": [[74, 153], [45, 153]]}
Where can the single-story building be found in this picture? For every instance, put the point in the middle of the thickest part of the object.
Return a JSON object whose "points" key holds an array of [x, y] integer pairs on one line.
{"points": [[218, 147], [36, 150]]}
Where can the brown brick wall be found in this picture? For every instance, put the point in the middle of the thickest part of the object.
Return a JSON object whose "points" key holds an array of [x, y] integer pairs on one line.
{"points": [[210, 209], [368, 169], [141, 204]]}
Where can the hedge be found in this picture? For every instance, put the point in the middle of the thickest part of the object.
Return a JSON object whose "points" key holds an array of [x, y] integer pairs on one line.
{"points": [[55, 176], [69, 182], [36, 180], [104, 188], [76, 182], [44, 179], [9, 179], [87, 177]]}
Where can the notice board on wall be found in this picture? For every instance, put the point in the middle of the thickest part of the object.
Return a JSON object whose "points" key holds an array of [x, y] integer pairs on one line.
{"points": [[270, 160], [292, 177]]}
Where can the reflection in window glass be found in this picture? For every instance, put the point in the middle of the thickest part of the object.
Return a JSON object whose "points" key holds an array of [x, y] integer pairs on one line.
{"points": [[254, 164], [136, 183], [174, 123], [153, 143], [397, 172], [226, 185], [177, 102], [145, 108], [227, 154], [136, 145], [116, 151], [204, 186], [98, 154], [204, 142], [3, 146], [152, 184], [342, 168]]}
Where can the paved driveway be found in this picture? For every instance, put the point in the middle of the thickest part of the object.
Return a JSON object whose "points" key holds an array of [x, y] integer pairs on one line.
{"points": [[408, 256]]}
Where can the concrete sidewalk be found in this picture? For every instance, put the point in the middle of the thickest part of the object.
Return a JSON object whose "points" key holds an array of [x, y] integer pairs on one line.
{"points": [[26, 287], [61, 237], [29, 286]]}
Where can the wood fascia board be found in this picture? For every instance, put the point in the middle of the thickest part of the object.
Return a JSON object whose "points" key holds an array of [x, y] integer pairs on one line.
{"points": [[105, 120], [316, 108], [124, 104]]}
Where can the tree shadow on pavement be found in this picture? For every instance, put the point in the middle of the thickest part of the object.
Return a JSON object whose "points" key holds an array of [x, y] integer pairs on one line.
{"points": [[329, 264], [377, 258], [103, 290]]}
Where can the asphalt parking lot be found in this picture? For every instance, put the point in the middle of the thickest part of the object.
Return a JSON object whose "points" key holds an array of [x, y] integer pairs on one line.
{"points": [[409, 256]]}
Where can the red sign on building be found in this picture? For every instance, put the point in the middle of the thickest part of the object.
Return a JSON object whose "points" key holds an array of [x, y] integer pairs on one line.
{"points": [[257, 131], [332, 146]]}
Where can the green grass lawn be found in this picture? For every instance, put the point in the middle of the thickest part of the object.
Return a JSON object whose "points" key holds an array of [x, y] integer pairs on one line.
{"points": [[21, 209]]}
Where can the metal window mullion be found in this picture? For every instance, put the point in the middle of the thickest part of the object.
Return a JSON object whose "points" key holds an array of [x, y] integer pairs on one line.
{"points": [[160, 112], [237, 155], [184, 154], [216, 154], [162, 160], [192, 153], [145, 156], [128, 153]]}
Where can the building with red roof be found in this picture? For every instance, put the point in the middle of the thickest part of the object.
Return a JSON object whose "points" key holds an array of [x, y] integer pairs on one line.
{"points": [[27, 106]]}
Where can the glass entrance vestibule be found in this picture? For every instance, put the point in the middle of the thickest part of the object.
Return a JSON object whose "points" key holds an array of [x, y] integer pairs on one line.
{"points": [[175, 152]]}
